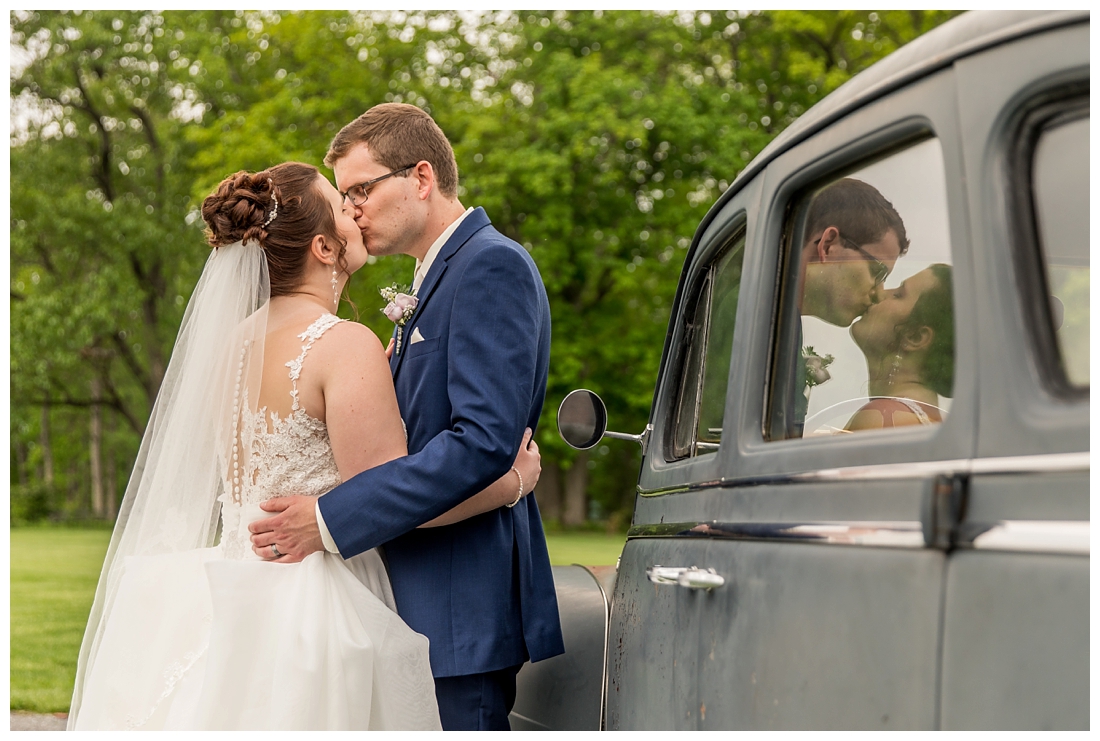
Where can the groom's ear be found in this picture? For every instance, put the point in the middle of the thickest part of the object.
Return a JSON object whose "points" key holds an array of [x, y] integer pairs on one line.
{"points": [[828, 243], [424, 174]]}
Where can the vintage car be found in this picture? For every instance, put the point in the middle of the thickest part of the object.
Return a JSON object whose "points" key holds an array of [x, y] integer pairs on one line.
{"points": [[790, 568]]}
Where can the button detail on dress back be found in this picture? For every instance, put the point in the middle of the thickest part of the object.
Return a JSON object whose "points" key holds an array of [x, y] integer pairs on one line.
{"points": [[272, 456], [237, 426]]}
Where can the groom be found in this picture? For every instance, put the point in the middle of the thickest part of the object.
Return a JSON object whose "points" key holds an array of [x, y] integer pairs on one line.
{"points": [[470, 372], [854, 236]]}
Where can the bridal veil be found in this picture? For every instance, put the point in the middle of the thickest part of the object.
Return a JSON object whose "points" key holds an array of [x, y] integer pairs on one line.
{"points": [[187, 457]]}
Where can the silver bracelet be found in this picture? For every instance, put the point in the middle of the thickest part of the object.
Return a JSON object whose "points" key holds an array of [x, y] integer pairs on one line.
{"points": [[520, 495]]}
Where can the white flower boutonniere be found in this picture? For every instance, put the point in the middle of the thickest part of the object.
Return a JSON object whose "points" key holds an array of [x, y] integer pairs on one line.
{"points": [[401, 303], [816, 367]]}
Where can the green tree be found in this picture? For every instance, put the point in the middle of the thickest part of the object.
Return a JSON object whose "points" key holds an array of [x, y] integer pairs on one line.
{"points": [[598, 140], [102, 253], [606, 138]]}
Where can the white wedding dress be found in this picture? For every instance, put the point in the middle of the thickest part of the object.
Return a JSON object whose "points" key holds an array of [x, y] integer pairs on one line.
{"points": [[216, 638]]}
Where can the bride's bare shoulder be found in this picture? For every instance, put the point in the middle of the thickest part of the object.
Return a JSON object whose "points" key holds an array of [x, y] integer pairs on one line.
{"points": [[354, 331], [348, 342]]}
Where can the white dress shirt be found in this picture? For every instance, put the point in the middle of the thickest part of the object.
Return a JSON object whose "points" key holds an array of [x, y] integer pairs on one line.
{"points": [[422, 268]]}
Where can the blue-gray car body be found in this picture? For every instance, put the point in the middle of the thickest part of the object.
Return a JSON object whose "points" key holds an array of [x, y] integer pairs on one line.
{"points": [[936, 577]]}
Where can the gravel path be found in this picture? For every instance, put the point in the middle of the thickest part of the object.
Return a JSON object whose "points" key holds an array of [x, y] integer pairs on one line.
{"points": [[23, 721]]}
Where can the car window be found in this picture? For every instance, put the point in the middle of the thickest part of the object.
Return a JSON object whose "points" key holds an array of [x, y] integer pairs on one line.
{"points": [[1060, 188], [866, 340], [708, 337]]}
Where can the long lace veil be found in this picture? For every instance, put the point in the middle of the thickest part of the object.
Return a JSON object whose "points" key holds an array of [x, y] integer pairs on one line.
{"points": [[185, 464]]}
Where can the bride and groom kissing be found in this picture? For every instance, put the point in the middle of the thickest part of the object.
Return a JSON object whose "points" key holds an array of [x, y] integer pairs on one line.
{"points": [[287, 556]]}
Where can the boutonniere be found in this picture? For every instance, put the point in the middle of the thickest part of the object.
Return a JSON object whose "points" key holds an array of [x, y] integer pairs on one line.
{"points": [[401, 303], [816, 367]]}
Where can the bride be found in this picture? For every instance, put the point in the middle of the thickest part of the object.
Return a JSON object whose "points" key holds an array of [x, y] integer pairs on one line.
{"points": [[908, 340], [267, 394]]}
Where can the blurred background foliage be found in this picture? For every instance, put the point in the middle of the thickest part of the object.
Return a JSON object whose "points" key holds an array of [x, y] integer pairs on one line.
{"points": [[598, 140]]}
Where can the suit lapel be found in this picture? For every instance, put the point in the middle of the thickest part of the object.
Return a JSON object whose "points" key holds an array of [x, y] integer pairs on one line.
{"points": [[472, 224]]}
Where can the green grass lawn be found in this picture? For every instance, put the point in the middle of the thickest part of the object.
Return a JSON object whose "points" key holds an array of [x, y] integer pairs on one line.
{"points": [[54, 571], [585, 548]]}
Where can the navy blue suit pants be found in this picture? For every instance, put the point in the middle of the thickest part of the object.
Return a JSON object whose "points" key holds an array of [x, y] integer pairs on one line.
{"points": [[477, 702]]}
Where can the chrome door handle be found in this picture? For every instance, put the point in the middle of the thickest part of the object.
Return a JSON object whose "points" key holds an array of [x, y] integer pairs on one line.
{"points": [[692, 578]]}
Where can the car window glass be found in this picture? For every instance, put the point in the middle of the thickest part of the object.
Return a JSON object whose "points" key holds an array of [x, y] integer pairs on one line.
{"points": [[867, 338], [709, 337], [1060, 186]]}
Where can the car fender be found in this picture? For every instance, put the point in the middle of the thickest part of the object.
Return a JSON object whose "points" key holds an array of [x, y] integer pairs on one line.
{"points": [[566, 692]]}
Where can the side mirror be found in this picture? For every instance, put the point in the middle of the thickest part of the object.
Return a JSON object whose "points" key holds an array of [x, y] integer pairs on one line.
{"points": [[582, 422], [582, 419]]}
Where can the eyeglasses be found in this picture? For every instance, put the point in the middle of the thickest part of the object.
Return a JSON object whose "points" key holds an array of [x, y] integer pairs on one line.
{"points": [[879, 270], [358, 193]]}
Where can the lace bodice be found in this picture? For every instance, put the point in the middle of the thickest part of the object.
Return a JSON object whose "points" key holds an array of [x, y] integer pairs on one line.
{"points": [[276, 457]]}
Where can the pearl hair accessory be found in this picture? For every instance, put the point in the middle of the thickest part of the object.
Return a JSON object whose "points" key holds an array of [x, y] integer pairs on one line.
{"points": [[275, 208]]}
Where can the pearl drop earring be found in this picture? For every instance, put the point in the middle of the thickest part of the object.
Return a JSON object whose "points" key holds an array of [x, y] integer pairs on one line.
{"points": [[335, 289], [893, 370]]}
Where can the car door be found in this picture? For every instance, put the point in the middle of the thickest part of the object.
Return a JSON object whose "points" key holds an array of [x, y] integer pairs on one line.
{"points": [[1016, 625], [829, 608], [652, 638]]}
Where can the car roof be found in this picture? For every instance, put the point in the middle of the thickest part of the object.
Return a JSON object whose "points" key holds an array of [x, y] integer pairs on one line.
{"points": [[961, 36]]}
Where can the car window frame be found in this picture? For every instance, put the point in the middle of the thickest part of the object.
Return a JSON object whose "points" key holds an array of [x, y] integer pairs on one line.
{"points": [[928, 106], [698, 286], [1037, 116], [922, 106], [781, 361]]}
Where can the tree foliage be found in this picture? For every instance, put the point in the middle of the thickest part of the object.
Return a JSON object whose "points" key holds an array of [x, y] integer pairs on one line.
{"points": [[595, 139]]}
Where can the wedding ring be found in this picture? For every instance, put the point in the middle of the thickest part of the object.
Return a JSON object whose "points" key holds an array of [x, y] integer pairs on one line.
{"points": [[275, 550]]}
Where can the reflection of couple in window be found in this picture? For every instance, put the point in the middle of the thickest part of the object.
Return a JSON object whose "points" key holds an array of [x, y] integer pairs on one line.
{"points": [[908, 338], [854, 237]]}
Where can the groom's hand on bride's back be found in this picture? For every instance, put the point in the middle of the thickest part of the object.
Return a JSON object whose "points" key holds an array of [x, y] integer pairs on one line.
{"points": [[292, 528]]}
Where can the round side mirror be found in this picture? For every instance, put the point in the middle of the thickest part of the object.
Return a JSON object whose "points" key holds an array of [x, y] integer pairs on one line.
{"points": [[582, 419]]}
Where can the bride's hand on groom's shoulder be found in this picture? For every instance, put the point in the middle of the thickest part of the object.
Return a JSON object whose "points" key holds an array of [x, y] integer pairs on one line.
{"points": [[528, 462], [292, 528]]}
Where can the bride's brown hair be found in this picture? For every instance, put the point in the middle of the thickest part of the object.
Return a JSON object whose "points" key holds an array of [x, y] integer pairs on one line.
{"points": [[242, 209]]}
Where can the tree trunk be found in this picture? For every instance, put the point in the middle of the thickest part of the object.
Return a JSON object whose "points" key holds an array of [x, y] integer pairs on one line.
{"points": [[550, 491], [47, 451], [576, 485], [112, 473], [111, 488], [21, 462], [74, 492], [99, 508], [157, 369]]}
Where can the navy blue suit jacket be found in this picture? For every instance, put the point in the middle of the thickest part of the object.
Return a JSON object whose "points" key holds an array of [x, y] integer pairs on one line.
{"points": [[481, 590]]}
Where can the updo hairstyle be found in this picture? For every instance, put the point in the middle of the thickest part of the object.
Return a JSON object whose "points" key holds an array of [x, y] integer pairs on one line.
{"points": [[933, 309], [237, 210]]}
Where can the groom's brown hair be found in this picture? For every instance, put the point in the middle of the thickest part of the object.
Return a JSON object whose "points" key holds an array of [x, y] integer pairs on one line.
{"points": [[858, 211], [398, 134]]}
